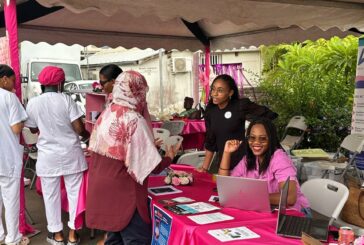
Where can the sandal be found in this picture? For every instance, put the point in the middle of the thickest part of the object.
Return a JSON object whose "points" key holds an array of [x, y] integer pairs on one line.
{"points": [[51, 239], [24, 241], [77, 242]]}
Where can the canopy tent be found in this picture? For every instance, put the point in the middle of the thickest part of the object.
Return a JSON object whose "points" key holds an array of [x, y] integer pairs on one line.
{"points": [[159, 23]]}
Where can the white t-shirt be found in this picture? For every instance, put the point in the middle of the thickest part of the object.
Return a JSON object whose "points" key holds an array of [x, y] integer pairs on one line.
{"points": [[59, 148], [11, 152]]}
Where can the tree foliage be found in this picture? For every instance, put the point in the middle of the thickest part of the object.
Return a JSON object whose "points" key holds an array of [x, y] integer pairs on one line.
{"points": [[316, 80]]}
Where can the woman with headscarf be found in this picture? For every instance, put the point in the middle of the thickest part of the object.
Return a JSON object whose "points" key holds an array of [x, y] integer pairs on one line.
{"points": [[107, 75], [58, 119], [124, 155]]}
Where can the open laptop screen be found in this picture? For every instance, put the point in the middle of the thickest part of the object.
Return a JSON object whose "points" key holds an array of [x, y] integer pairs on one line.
{"points": [[282, 205], [283, 198]]}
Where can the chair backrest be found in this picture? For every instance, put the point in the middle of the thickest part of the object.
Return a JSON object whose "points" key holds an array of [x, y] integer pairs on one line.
{"points": [[194, 158], [326, 196], [297, 122], [353, 143], [174, 127], [161, 133], [290, 142], [29, 137], [171, 140]]}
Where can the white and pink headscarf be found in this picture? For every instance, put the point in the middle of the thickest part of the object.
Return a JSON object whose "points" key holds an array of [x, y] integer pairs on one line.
{"points": [[122, 133]]}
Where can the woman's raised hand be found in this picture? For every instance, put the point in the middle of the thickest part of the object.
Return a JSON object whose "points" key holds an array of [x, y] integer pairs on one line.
{"points": [[232, 145], [171, 151], [158, 142]]}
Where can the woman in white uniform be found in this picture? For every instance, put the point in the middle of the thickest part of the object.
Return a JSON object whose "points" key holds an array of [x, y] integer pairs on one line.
{"points": [[58, 119], [12, 116]]}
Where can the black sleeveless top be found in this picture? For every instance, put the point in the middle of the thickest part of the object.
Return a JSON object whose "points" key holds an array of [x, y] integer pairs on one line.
{"points": [[229, 123]]}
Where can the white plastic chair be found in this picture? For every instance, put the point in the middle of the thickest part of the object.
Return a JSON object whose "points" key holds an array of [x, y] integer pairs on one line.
{"points": [[290, 142], [29, 140], [172, 140], [353, 143], [174, 127], [326, 196], [194, 158], [161, 133]]}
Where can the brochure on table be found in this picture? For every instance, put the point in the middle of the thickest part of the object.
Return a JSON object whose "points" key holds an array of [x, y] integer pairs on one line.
{"points": [[198, 207], [191, 208], [203, 219], [233, 234]]}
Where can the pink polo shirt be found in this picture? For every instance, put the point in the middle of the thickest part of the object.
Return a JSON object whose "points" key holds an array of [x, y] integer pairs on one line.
{"points": [[280, 167]]}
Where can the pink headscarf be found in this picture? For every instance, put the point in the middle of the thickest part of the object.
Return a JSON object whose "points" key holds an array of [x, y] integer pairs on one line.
{"points": [[122, 133], [51, 76]]}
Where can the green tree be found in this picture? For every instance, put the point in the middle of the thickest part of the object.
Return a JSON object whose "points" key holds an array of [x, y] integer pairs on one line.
{"points": [[315, 80]]}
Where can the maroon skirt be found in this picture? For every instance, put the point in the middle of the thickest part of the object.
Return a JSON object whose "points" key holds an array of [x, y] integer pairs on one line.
{"points": [[113, 195]]}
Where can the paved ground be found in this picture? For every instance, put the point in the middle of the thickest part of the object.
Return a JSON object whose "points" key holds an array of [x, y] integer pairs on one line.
{"points": [[35, 206]]}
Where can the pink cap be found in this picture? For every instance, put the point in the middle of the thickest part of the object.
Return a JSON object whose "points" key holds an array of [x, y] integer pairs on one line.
{"points": [[51, 76]]}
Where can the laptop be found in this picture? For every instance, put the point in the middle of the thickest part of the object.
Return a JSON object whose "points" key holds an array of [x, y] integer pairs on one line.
{"points": [[243, 193], [293, 226]]}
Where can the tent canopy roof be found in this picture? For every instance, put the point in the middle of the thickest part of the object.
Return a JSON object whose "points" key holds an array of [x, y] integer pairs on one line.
{"points": [[158, 23]]}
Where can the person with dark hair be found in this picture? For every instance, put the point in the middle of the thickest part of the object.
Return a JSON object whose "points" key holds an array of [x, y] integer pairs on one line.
{"points": [[107, 75], [225, 117], [265, 159], [58, 120], [187, 104], [12, 116]]}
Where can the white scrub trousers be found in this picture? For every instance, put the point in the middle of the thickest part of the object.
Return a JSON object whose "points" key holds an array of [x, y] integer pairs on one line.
{"points": [[10, 196], [51, 189]]}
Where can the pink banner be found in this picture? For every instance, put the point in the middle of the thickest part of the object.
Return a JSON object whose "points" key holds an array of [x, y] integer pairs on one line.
{"points": [[4, 51], [207, 72], [12, 32]]}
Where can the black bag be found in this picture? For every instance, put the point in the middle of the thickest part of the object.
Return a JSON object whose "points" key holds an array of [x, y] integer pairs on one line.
{"points": [[198, 113]]}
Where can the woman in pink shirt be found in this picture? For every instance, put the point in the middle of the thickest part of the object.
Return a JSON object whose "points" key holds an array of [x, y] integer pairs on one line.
{"points": [[265, 159]]}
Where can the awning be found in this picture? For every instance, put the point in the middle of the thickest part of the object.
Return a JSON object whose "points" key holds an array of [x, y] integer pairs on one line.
{"points": [[159, 23]]}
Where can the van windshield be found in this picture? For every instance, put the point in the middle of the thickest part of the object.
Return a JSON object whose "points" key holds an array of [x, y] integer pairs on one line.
{"points": [[72, 71]]}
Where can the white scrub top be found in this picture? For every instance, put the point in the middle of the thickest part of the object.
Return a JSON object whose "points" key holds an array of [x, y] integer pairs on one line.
{"points": [[11, 152], [59, 148]]}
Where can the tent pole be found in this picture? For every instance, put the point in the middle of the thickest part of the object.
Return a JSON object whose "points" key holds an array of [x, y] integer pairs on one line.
{"points": [[161, 79]]}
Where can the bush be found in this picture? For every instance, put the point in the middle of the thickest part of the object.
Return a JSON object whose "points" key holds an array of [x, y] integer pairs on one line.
{"points": [[315, 80]]}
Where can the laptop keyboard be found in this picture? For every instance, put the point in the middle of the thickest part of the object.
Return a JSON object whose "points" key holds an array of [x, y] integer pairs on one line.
{"points": [[293, 226]]}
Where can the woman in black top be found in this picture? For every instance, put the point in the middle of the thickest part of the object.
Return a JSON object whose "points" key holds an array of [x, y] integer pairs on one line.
{"points": [[225, 120]]}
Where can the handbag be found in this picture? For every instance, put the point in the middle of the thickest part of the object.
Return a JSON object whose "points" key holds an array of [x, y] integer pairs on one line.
{"points": [[198, 113], [353, 210]]}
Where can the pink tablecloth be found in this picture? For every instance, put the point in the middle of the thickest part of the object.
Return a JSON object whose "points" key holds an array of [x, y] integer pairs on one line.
{"points": [[185, 231], [193, 133]]}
